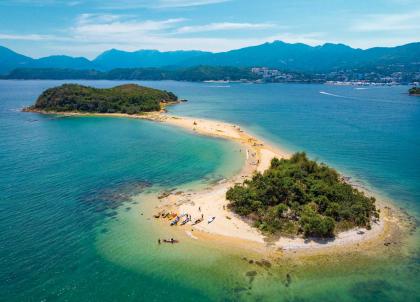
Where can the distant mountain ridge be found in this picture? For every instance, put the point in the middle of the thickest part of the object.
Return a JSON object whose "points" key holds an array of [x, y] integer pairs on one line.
{"points": [[115, 58], [292, 57], [304, 58]]}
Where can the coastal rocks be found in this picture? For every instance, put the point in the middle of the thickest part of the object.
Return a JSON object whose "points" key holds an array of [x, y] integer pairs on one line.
{"points": [[263, 263], [251, 275], [164, 194]]}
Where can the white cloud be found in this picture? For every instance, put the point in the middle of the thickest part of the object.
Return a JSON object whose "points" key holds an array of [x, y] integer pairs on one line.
{"points": [[155, 4], [186, 3], [388, 22], [112, 4], [223, 26], [30, 37], [117, 27], [94, 33]]}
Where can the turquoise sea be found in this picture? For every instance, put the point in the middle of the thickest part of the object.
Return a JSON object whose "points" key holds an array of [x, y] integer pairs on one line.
{"points": [[76, 194]]}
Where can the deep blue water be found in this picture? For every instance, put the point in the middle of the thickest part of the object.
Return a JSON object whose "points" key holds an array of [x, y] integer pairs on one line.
{"points": [[61, 178], [372, 134]]}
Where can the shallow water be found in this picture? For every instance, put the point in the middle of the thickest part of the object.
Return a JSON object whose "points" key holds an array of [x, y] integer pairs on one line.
{"points": [[73, 191]]}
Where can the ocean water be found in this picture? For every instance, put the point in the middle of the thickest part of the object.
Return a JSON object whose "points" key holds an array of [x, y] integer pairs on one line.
{"points": [[76, 194]]}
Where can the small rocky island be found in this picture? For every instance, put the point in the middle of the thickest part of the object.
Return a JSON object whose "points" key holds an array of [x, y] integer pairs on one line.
{"points": [[414, 91], [129, 99], [299, 196]]}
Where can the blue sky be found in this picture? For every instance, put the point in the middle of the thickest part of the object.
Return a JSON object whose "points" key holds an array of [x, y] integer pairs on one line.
{"points": [[88, 27]]}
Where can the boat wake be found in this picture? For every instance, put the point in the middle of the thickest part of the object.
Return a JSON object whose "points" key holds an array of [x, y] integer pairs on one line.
{"points": [[331, 94]]}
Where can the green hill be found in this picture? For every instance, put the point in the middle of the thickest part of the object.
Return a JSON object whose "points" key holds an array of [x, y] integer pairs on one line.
{"points": [[298, 195], [131, 99]]}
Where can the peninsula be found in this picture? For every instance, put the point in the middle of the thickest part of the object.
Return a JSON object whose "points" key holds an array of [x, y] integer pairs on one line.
{"points": [[299, 201]]}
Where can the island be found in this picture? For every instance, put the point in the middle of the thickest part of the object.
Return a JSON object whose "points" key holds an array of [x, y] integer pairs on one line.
{"points": [[128, 99], [296, 203], [299, 196], [414, 91]]}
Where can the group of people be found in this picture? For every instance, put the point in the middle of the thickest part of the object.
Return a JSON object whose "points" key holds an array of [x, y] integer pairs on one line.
{"points": [[167, 241]]}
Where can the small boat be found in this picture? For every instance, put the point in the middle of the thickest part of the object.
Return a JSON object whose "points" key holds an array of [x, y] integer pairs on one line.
{"points": [[172, 215], [211, 219], [197, 221], [157, 215], [185, 221], [175, 221]]}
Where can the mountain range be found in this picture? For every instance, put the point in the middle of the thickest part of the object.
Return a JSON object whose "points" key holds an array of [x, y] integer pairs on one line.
{"points": [[290, 57]]}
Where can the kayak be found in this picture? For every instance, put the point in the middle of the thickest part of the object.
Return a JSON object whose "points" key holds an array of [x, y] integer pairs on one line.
{"points": [[175, 221], [185, 221], [211, 219], [198, 221]]}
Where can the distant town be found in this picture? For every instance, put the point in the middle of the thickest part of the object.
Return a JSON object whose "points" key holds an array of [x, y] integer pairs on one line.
{"points": [[342, 77]]}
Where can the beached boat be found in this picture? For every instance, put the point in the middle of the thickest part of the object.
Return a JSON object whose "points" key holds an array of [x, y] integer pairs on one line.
{"points": [[175, 221], [211, 219], [186, 220], [197, 221]]}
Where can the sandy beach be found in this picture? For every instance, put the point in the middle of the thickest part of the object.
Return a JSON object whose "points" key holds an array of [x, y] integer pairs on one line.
{"points": [[211, 201]]}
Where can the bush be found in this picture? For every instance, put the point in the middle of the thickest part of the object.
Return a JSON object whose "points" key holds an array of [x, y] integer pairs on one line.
{"points": [[298, 191]]}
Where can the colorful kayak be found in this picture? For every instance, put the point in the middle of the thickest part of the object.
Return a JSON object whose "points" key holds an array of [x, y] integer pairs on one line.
{"points": [[185, 221], [175, 221]]}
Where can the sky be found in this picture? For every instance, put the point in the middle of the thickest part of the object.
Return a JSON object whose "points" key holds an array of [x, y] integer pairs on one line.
{"points": [[88, 27]]}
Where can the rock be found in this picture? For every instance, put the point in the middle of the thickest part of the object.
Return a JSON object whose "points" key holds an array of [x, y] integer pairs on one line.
{"points": [[251, 273], [288, 280], [266, 263]]}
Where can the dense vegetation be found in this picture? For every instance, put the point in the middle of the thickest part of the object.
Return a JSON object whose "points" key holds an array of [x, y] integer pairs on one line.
{"points": [[54, 74], [198, 73], [414, 91], [129, 99], [299, 195]]}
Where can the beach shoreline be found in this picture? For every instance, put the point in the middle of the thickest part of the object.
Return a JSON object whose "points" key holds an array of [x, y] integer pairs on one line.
{"points": [[211, 201]]}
